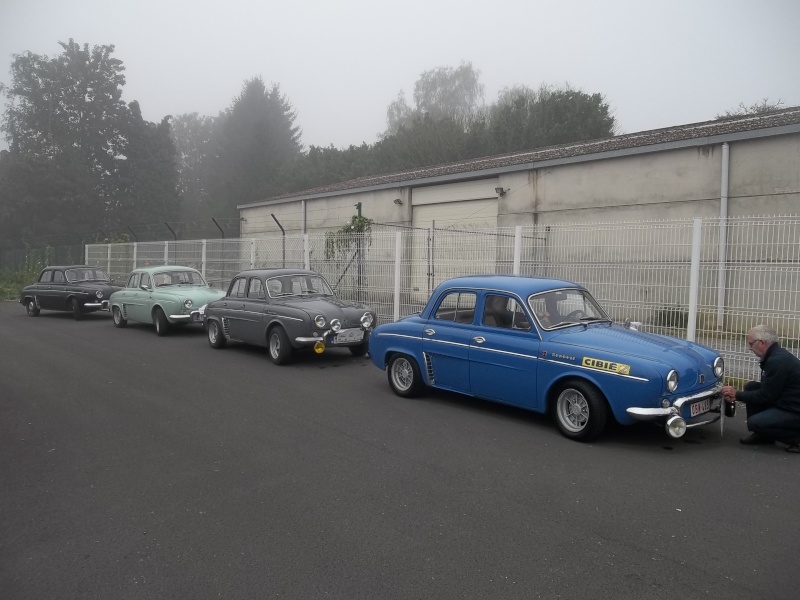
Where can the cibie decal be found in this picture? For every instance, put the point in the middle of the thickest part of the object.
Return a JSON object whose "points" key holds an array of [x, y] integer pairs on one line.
{"points": [[606, 365]]}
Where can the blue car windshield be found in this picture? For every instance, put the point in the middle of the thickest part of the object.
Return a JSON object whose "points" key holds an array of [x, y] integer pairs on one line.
{"points": [[563, 308]]}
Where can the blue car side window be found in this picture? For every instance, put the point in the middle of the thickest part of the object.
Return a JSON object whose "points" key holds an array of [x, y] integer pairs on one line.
{"points": [[457, 306]]}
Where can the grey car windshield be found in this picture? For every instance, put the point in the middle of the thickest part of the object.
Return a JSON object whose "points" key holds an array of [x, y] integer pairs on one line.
{"points": [[562, 308], [86, 274], [297, 285]]}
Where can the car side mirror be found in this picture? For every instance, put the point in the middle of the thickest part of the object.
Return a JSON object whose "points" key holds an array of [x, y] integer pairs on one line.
{"points": [[628, 324]]}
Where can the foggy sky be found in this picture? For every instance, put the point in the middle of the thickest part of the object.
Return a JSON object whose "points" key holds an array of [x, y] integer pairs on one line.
{"points": [[340, 63]]}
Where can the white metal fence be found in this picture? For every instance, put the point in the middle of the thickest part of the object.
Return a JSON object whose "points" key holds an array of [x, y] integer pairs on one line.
{"points": [[708, 280]]}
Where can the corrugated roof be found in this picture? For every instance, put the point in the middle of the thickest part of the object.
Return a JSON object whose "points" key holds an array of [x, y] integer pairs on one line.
{"points": [[706, 129]]}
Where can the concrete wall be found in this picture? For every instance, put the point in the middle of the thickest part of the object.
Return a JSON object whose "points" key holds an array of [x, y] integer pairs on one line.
{"points": [[671, 184]]}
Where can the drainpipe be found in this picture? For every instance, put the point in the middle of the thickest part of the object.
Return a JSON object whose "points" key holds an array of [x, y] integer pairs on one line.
{"points": [[723, 236]]}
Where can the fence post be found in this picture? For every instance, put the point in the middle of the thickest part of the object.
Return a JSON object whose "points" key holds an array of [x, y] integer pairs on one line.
{"points": [[517, 248], [108, 258], [135, 253], [694, 279], [166, 252], [203, 259], [306, 252], [86, 254], [398, 254], [253, 253]]}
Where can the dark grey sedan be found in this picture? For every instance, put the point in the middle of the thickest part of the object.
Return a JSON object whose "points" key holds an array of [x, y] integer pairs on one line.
{"points": [[287, 310], [78, 289]]}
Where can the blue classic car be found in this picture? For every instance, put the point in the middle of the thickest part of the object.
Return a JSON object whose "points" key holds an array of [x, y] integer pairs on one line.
{"points": [[546, 345], [164, 296]]}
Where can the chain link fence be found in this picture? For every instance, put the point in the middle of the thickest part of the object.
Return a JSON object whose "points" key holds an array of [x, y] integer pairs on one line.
{"points": [[709, 280]]}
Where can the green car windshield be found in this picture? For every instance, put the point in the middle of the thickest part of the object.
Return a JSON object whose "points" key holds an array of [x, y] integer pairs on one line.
{"points": [[178, 278]]}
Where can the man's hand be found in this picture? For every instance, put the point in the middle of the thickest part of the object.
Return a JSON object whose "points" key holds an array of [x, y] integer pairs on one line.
{"points": [[729, 393]]}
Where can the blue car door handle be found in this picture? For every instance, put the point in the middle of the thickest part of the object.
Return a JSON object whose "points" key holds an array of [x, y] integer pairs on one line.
{"points": [[430, 331], [479, 340]]}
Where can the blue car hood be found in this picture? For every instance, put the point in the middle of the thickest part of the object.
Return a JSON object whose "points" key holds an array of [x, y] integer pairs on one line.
{"points": [[672, 352]]}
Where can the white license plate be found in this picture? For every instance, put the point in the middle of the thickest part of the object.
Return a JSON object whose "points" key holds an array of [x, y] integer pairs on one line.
{"points": [[347, 336], [698, 408]]}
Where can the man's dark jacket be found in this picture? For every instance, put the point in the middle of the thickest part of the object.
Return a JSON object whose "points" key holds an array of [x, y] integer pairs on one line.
{"points": [[780, 381]]}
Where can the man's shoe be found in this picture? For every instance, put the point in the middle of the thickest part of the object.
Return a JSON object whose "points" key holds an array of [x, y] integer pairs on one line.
{"points": [[756, 438], [793, 448]]}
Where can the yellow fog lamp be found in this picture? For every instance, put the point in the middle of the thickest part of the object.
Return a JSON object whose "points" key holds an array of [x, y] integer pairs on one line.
{"points": [[319, 347]]}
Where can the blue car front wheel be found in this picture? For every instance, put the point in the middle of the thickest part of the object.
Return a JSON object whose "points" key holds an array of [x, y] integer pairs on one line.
{"points": [[581, 411]]}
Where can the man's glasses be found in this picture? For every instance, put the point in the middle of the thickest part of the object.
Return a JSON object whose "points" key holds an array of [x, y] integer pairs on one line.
{"points": [[753, 342]]}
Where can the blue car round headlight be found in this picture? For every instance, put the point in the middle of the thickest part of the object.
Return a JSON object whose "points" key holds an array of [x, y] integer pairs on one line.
{"points": [[672, 381], [187, 303], [319, 321], [719, 367]]}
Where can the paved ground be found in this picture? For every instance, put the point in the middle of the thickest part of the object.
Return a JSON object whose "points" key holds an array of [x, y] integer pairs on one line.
{"points": [[133, 466]]}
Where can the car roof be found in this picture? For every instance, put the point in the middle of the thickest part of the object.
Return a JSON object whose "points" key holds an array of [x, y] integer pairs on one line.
{"points": [[163, 269], [275, 272], [522, 285], [71, 267]]}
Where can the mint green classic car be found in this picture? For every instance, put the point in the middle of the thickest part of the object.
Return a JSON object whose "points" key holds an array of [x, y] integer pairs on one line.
{"points": [[165, 296]]}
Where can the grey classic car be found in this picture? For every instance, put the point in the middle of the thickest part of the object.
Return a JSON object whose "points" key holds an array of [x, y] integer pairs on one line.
{"points": [[287, 310], [79, 289]]}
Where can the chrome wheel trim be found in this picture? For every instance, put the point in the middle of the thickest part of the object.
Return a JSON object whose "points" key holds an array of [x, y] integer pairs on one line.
{"points": [[274, 345], [213, 332], [402, 374], [573, 410]]}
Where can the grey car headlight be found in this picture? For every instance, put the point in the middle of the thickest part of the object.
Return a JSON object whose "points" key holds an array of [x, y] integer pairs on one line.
{"points": [[719, 367], [187, 303], [319, 321], [366, 320], [336, 325], [99, 294], [672, 381]]}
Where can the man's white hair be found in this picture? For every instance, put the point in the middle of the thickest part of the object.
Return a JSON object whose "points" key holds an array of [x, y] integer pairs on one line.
{"points": [[765, 333]]}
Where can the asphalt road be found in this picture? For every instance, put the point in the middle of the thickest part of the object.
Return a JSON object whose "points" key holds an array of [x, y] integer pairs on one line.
{"points": [[133, 466]]}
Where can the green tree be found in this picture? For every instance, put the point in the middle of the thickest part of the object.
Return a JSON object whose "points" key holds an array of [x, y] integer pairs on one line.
{"points": [[441, 93], [758, 108], [195, 144], [256, 140], [147, 183], [524, 119], [64, 125]]}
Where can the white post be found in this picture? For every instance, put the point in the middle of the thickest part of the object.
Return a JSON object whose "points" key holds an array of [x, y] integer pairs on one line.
{"points": [[253, 253], [723, 236], [166, 252], [109, 259], [203, 260], [694, 279], [306, 252], [86, 254], [517, 248], [135, 253], [398, 256]]}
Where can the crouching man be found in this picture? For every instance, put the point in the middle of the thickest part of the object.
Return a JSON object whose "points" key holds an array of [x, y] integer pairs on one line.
{"points": [[772, 404]]}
